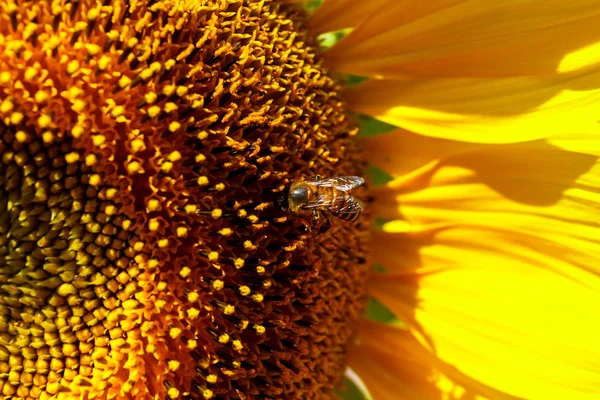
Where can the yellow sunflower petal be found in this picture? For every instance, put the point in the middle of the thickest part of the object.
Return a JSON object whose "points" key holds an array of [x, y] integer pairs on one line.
{"points": [[334, 15], [395, 365], [392, 364], [399, 152], [583, 143], [477, 38], [498, 264], [486, 110]]}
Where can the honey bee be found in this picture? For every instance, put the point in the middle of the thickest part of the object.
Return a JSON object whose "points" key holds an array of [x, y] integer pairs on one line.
{"points": [[323, 196]]}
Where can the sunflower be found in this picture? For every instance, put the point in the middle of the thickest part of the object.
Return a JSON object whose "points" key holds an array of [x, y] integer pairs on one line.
{"points": [[146, 152]]}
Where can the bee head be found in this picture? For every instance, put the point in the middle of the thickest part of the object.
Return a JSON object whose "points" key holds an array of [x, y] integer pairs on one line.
{"points": [[299, 194]]}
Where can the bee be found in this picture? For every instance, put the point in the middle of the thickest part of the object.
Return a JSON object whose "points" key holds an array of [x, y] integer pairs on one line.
{"points": [[326, 196]]}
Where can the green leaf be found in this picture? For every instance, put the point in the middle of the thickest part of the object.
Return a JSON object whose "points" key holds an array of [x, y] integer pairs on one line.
{"points": [[350, 391], [378, 176], [369, 126]]}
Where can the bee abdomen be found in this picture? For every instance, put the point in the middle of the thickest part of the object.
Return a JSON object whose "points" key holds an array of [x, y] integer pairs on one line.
{"points": [[347, 208], [348, 216]]}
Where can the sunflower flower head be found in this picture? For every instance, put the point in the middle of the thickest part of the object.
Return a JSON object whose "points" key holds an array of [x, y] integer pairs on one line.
{"points": [[144, 148]]}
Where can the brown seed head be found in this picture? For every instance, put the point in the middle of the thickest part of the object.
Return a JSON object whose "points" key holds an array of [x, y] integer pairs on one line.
{"points": [[143, 147]]}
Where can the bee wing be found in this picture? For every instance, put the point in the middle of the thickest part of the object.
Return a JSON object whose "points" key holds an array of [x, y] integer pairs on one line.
{"points": [[321, 202], [351, 205], [347, 207], [342, 205], [345, 183]]}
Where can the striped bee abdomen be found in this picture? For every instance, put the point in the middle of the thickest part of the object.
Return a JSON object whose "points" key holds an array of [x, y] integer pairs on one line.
{"points": [[345, 206]]}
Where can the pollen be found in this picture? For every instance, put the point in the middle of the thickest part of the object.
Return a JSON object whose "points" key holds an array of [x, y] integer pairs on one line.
{"points": [[153, 205], [72, 157], [260, 330], [6, 106], [79, 106], [134, 167], [22, 137], [154, 111], [77, 132], [175, 156], [47, 137], [104, 62], [245, 290], [93, 49], [97, 140], [218, 284], [90, 160], [193, 297], [154, 224], [16, 118], [117, 111], [174, 333], [123, 82], [224, 338], [174, 126], [229, 310], [145, 149], [185, 272], [193, 313], [44, 121], [192, 344], [237, 345], [137, 145], [72, 67], [5, 76], [225, 232], [258, 297], [190, 208], [202, 181], [95, 180], [170, 107], [182, 231]]}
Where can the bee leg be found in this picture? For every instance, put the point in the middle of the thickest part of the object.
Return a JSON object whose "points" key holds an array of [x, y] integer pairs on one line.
{"points": [[315, 214], [325, 227]]}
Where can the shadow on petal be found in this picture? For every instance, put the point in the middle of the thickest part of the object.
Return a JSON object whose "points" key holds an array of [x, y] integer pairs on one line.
{"points": [[394, 364], [502, 110], [492, 260], [473, 38], [530, 173]]}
